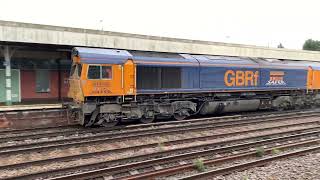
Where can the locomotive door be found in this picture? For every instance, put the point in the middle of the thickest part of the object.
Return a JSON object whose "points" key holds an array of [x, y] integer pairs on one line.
{"points": [[129, 78], [104, 80], [313, 81]]}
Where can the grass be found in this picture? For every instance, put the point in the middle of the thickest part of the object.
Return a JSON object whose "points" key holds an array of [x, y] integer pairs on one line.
{"points": [[260, 151], [161, 146], [245, 177], [275, 151], [199, 165]]}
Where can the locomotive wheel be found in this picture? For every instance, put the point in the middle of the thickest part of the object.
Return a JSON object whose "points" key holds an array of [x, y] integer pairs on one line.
{"points": [[179, 117], [149, 119], [283, 106], [146, 120], [181, 114], [108, 120], [110, 124], [317, 103]]}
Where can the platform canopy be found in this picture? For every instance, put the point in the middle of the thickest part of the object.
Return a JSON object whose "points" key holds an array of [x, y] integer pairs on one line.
{"points": [[16, 32]]}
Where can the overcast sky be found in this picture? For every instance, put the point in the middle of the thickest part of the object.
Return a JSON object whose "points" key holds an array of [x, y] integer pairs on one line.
{"points": [[253, 22]]}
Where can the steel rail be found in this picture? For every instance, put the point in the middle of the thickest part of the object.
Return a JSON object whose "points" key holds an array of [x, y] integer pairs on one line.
{"points": [[44, 146], [247, 165], [80, 130], [36, 132], [166, 153], [107, 135], [173, 158], [21, 132], [217, 161]]}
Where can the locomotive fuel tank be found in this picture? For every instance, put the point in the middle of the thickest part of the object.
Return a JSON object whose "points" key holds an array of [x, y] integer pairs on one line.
{"points": [[215, 107]]}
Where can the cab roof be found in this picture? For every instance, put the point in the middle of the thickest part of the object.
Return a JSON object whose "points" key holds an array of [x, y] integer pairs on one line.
{"points": [[156, 59], [112, 56], [101, 56]]}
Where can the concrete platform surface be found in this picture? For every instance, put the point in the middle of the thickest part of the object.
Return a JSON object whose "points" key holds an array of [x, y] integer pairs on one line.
{"points": [[29, 107]]}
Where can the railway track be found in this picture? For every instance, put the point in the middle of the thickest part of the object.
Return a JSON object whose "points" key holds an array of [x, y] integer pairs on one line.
{"points": [[255, 163], [24, 133], [228, 158], [38, 133], [124, 136], [143, 127], [153, 163], [289, 135]]}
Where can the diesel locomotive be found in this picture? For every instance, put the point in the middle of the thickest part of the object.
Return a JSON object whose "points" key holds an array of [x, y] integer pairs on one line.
{"points": [[108, 85]]}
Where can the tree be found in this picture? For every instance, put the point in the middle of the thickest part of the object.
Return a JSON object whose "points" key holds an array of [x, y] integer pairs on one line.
{"points": [[280, 45], [311, 45]]}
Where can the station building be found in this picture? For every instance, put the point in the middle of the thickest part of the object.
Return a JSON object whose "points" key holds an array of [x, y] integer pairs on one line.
{"points": [[35, 59], [39, 74]]}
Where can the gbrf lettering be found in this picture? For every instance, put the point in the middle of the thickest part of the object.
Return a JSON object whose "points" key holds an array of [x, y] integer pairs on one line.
{"points": [[241, 78]]}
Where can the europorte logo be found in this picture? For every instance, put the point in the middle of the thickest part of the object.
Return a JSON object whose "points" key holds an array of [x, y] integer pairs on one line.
{"points": [[276, 79]]}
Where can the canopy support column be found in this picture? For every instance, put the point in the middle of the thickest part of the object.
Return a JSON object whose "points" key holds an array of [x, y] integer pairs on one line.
{"points": [[7, 53]]}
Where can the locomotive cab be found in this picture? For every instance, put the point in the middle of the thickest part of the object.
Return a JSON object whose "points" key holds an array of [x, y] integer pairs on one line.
{"points": [[96, 82]]}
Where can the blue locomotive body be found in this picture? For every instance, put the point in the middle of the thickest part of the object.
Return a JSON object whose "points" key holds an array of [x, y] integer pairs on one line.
{"points": [[234, 74], [144, 85]]}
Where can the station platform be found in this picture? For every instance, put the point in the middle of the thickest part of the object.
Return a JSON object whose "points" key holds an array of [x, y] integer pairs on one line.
{"points": [[29, 116], [29, 107]]}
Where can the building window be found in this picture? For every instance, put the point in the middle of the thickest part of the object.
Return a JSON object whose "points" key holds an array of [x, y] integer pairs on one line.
{"points": [[42, 81], [99, 72]]}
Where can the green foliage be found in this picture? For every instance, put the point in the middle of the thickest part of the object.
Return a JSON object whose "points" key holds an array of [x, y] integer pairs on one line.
{"points": [[312, 45], [161, 146], [245, 177], [260, 151], [199, 165], [275, 151]]}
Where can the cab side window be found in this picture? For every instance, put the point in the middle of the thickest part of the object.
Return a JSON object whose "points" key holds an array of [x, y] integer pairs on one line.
{"points": [[106, 72], [94, 72], [99, 72]]}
